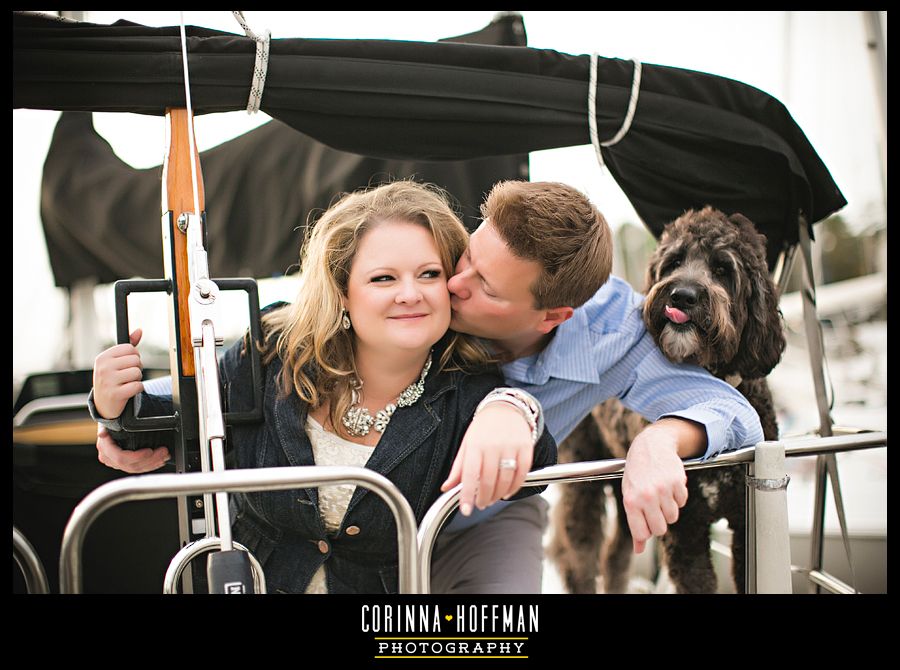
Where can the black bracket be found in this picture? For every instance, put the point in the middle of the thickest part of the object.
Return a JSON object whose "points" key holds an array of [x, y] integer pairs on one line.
{"points": [[132, 423]]}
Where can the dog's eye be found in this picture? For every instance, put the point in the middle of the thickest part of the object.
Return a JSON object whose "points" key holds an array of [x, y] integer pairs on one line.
{"points": [[670, 265], [720, 270]]}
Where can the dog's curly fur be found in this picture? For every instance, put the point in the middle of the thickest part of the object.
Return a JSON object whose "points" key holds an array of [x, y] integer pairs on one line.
{"points": [[710, 269]]}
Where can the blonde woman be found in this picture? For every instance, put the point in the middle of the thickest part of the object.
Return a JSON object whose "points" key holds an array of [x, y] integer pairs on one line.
{"points": [[360, 370]]}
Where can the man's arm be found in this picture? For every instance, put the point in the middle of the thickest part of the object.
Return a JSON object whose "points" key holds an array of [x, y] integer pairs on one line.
{"points": [[694, 414], [654, 483], [699, 415], [660, 388]]}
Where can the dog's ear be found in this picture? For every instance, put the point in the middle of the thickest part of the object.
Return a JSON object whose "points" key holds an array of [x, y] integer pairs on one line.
{"points": [[741, 220], [762, 341], [653, 264], [650, 275]]}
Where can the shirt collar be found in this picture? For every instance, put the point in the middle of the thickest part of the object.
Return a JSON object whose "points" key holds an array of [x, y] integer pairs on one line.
{"points": [[567, 356]]}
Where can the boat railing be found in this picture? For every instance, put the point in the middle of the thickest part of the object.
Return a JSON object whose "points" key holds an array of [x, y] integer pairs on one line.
{"points": [[768, 565], [153, 486], [29, 563]]}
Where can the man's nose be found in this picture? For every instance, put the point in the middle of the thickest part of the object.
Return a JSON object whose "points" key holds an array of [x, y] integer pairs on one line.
{"points": [[458, 285]]}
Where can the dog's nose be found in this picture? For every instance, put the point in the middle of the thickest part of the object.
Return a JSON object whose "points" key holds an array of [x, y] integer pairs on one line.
{"points": [[684, 297]]}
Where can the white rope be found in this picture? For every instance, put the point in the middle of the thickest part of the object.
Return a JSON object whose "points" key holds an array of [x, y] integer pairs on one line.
{"points": [[190, 118], [260, 66], [592, 107]]}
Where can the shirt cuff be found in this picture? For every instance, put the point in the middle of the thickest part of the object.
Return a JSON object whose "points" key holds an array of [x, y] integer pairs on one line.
{"points": [[719, 435], [109, 424]]}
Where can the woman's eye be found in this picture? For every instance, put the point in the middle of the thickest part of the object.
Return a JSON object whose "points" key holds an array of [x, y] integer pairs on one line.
{"points": [[432, 274], [381, 278]]}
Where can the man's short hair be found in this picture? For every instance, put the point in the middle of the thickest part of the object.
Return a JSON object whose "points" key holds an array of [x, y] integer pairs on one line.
{"points": [[557, 226]]}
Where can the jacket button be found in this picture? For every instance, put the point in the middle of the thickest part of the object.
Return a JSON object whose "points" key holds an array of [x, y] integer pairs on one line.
{"points": [[353, 530], [323, 546]]}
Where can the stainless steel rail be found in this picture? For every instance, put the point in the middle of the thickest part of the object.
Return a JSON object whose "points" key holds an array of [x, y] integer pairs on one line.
{"points": [[193, 549], [612, 469], [29, 563], [148, 487]]}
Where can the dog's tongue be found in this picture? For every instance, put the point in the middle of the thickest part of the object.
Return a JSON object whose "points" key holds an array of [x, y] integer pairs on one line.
{"points": [[676, 315]]}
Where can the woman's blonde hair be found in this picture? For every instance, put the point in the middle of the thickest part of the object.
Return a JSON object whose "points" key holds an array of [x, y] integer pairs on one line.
{"points": [[315, 350]]}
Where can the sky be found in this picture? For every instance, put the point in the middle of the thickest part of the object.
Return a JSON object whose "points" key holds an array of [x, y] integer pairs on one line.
{"points": [[816, 63]]}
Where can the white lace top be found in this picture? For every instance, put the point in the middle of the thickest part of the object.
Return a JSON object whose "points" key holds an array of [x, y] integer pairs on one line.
{"points": [[330, 449]]}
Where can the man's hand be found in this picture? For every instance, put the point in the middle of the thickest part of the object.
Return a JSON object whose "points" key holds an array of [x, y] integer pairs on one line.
{"points": [[654, 483], [143, 460], [499, 432]]}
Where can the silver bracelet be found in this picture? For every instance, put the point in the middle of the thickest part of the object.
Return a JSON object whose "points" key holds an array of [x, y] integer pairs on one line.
{"points": [[526, 403]]}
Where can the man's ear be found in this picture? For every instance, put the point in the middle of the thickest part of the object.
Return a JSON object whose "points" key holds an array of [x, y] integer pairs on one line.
{"points": [[553, 317]]}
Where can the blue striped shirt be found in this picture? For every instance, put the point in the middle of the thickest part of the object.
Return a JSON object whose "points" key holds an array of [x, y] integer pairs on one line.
{"points": [[604, 351]]}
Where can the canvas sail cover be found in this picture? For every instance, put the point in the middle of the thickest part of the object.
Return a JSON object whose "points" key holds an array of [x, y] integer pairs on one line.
{"points": [[696, 138]]}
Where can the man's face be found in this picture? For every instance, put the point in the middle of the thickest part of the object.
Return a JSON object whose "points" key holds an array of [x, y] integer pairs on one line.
{"points": [[490, 292]]}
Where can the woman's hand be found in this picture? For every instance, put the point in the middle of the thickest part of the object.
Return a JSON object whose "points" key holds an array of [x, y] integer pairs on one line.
{"points": [[498, 437], [117, 377], [143, 460]]}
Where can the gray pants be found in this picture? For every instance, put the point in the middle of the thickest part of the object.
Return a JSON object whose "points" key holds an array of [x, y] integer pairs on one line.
{"points": [[503, 554]]}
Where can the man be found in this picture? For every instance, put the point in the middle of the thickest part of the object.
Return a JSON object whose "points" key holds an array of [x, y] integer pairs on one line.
{"points": [[535, 281]]}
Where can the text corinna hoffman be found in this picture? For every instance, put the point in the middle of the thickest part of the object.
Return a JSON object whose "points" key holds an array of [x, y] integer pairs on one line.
{"points": [[459, 619]]}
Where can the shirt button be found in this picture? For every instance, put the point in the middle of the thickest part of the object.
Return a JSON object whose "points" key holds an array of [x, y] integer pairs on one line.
{"points": [[353, 530], [323, 546]]}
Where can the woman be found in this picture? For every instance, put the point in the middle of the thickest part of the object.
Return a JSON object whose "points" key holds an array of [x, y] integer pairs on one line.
{"points": [[360, 370]]}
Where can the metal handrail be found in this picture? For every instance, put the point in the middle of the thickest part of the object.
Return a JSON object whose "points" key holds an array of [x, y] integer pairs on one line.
{"points": [[193, 549], [149, 487], [56, 403], [29, 563], [565, 473]]}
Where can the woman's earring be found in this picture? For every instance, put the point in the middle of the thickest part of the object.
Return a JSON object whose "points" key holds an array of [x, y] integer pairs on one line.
{"points": [[345, 320]]}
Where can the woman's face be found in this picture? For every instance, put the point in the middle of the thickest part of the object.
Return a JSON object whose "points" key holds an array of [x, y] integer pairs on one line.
{"points": [[397, 294]]}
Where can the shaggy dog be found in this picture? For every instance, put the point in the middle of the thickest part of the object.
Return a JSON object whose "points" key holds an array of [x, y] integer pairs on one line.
{"points": [[709, 302]]}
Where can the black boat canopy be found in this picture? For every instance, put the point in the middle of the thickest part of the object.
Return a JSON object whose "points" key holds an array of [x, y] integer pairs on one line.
{"points": [[261, 188], [696, 138]]}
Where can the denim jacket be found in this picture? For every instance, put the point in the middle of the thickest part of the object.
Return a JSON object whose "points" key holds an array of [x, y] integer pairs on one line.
{"points": [[284, 529]]}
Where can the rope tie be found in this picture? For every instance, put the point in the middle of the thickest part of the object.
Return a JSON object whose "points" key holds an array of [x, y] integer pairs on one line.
{"points": [[260, 66], [592, 107]]}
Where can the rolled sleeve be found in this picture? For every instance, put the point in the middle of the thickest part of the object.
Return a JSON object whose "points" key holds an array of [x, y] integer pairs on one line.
{"points": [[661, 388], [728, 426]]}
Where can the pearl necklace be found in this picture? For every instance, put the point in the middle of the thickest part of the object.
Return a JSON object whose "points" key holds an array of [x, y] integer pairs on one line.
{"points": [[357, 419]]}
